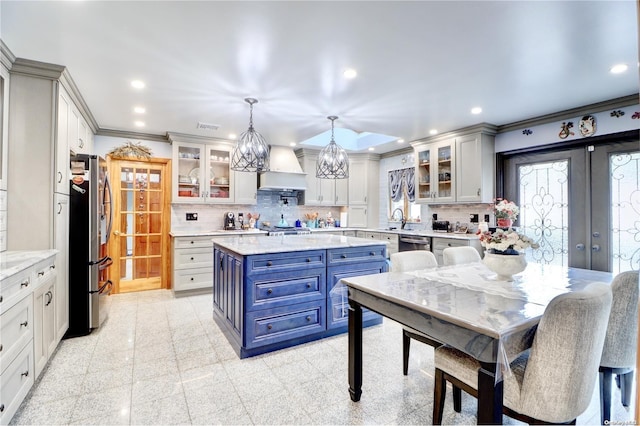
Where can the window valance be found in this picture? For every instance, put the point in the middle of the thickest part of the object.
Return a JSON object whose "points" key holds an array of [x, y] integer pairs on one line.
{"points": [[402, 179]]}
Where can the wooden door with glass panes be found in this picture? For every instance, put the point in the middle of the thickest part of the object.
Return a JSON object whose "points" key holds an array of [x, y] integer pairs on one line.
{"points": [[141, 225]]}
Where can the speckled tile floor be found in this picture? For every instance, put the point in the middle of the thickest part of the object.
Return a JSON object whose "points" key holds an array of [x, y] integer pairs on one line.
{"points": [[162, 360]]}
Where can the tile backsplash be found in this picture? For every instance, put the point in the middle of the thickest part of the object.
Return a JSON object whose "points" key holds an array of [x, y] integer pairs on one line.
{"points": [[270, 205]]}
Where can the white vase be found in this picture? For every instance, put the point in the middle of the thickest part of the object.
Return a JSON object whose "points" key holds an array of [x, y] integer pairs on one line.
{"points": [[505, 265]]}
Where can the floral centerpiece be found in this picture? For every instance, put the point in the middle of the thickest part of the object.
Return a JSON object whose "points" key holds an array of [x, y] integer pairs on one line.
{"points": [[505, 242], [505, 211]]}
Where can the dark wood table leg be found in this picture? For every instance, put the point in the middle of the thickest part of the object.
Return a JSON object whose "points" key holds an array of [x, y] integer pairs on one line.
{"points": [[489, 396], [355, 350]]}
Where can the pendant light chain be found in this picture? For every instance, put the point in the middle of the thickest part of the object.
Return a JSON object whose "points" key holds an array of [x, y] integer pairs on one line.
{"points": [[333, 162], [251, 153]]}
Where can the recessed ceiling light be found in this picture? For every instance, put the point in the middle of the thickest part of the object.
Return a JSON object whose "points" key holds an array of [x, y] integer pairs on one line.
{"points": [[433, 132], [350, 73], [476, 110], [619, 68], [137, 84], [292, 144], [139, 123], [232, 136], [139, 110], [371, 148], [400, 140]]}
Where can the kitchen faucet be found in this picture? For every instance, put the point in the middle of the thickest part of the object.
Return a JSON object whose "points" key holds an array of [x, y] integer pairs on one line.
{"points": [[403, 222]]}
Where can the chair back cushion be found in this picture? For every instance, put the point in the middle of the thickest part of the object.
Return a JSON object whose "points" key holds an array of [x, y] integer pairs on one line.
{"points": [[563, 364], [460, 255], [622, 332], [412, 260]]}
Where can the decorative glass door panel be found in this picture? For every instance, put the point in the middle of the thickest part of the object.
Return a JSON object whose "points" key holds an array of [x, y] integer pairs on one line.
{"points": [[444, 172], [190, 172], [424, 174]]}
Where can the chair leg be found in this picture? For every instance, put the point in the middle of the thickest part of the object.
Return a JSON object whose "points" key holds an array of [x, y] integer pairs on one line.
{"points": [[605, 395], [439, 389], [406, 343], [457, 399], [626, 386]]}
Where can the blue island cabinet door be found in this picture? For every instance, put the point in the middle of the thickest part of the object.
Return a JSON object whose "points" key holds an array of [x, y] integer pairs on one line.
{"points": [[227, 291]]}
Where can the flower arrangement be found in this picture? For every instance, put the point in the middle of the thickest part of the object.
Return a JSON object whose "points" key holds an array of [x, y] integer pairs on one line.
{"points": [[505, 242], [505, 209]]}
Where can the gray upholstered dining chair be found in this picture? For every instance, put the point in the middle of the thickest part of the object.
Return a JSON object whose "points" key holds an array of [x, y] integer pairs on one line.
{"points": [[413, 260], [460, 255], [620, 343], [552, 381]]}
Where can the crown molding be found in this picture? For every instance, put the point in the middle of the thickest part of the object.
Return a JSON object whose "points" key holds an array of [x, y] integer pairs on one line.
{"points": [[7, 58], [125, 134], [621, 102], [185, 137], [485, 128]]}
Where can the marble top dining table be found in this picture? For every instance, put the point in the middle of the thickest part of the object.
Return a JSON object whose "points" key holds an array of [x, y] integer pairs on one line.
{"points": [[466, 307]]}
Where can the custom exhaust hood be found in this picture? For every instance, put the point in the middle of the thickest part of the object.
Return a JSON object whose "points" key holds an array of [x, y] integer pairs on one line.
{"points": [[285, 173]]}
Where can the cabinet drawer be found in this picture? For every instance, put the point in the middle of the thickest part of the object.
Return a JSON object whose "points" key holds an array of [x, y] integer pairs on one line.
{"points": [[193, 258], [43, 271], [15, 382], [3, 240], [3, 200], [193, 242], [190, 279], [16, 329], [443, 243], [3, 220], [281, 262], [15, 288], [347, 255], [276, 325], [274, 290]]}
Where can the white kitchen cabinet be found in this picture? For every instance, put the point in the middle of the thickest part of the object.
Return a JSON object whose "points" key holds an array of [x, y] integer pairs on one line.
{"points": [[321, 192], [61, 149], [475, 160], [3, 220], [364, 190], [4, 123], [435, 172], [438, 244], [61, 243], [202, 174], [45, 338], [192, 263]]}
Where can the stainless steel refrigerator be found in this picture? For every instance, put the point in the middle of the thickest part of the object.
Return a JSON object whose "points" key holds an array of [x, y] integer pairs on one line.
{"points": [[90, 218]]}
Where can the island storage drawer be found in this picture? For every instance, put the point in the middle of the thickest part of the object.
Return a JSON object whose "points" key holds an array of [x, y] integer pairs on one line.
{"points": [[285, 323], [268, 291], [282, 262], [342, 256]]}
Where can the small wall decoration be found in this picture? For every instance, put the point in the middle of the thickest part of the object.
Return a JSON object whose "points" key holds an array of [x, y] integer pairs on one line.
{"points": [[527, 132], [129, 149], [587, 125], [617, 113], [566, 132], [635, 115]]}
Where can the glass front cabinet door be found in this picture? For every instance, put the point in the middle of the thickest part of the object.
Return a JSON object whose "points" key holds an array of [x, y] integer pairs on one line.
{"points": [[435, 172], [201, 173]]}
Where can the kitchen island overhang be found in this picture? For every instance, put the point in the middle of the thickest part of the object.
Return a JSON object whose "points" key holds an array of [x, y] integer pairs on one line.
{"points": [[270, 293]]}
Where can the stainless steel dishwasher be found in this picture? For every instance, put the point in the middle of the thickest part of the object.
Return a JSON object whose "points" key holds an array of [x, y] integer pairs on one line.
{"points": [[414, 242]]}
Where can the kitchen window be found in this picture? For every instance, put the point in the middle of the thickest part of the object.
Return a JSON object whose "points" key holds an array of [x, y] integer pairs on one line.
{"points": [[402, 193]]}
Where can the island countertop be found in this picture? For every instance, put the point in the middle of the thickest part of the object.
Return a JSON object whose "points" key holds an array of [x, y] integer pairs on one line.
{"points": [[250, 245]]}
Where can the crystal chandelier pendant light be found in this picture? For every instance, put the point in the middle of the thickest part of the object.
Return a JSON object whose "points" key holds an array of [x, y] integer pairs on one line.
{"points": [[251, 153], [333, 162]]}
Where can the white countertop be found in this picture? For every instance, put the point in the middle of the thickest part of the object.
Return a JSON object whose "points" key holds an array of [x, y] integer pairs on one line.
{"points": [[14, 262], [218, 232], [249, 245]]}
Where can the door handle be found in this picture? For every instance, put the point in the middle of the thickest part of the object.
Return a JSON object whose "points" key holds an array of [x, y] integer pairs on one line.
{"points": [[595, 247], [580, 246], [116, 233]]}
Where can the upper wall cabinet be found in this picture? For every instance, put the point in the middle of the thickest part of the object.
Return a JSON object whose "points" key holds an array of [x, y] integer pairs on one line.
{"points": [[458, 167], [321, 192], [202, 174], [4, 124]]}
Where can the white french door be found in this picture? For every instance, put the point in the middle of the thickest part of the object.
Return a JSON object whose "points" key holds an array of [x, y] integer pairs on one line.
{"points": [[581, 205]]}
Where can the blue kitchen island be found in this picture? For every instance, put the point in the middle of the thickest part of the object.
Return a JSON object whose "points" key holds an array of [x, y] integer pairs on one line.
{"points": [[274, 292]]}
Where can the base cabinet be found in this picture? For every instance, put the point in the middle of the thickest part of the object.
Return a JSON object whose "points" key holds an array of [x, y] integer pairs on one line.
{"points": [[45, 338], [271, 301], [16, 381], [192, 263], [439, 244]]}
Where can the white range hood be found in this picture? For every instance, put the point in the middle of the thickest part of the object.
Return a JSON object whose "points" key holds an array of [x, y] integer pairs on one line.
{"points": [[285, 171]]}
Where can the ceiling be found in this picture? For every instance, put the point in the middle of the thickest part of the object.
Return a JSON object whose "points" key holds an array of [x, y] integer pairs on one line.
{"points": [[421, 65]]}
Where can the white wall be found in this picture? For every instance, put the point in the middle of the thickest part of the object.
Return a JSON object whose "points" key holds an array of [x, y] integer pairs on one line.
{"points": [[548, 133]]}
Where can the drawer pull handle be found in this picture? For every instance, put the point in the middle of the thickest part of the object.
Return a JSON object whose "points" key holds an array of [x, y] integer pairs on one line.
{"points": [[308, 285], [344, 256], [52, 267], [41, 273], [308, 318], [192, 242], [25, 374], [308, 259], [269, 291], [269, 263], [1, 299], [191, 278], [1, 408], [0, 347], [269, 326], [372, 254], [24, 283], [24, 324], [192, 258]]}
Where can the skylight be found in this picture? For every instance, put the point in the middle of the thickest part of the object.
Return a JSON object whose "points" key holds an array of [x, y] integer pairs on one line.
{"points": [[350, 140]]}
